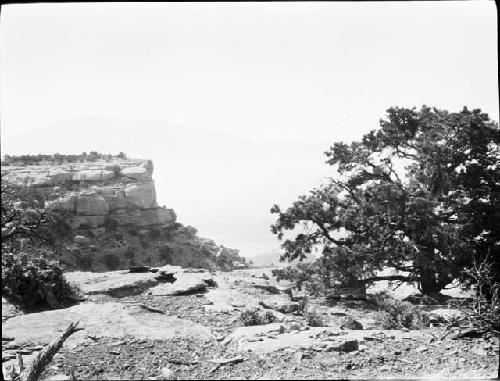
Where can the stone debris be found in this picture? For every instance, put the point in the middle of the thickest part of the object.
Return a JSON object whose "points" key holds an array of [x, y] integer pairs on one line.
{"points": [[145, 327], [280, 303], [167, 374], [185, 283], [352, 324]]}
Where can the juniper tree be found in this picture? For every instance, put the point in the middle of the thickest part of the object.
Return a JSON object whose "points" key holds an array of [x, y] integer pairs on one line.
{"points": [[419, 195]]}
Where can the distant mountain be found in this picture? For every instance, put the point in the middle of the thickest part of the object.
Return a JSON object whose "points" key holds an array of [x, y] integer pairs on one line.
{"points": [[223, 185]]}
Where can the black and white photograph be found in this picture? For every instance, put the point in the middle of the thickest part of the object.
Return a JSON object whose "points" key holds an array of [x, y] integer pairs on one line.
{"points": [[256, 190]]}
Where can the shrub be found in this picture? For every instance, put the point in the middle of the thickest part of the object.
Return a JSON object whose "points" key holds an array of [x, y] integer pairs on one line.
{"points": [[84, 262], [255, 316], [303, 304], [30, 273], [111, 261], [315, 319], [482, 277], [154, 234], [394, 314], [165, 254], [129, 253], [110, 225], [35, 281]]}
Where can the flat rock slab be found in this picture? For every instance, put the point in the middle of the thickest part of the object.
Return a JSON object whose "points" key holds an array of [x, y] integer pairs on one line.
{"points": [[227, 298], [280, 303], [169, 269], [110, 319], [185, 283], [447, 313], [255, 338], [113, 283]]}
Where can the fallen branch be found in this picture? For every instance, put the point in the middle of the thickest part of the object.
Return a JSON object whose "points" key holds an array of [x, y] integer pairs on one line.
{"points": [[41, 360], [221, 362], [151, 309], [232, 360]]}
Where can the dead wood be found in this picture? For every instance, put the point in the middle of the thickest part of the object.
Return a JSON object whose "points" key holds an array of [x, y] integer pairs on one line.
{"points": [[43, 358]]}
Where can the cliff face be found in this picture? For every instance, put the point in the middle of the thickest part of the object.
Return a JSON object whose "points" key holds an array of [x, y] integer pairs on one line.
{"points": [[113, 217]]}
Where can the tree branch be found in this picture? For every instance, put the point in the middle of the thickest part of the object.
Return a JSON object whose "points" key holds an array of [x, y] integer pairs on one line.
{"points": [[390, 277]]}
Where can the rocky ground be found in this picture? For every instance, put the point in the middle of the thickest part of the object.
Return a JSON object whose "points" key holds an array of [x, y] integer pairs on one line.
{"points": [[145, 327]]}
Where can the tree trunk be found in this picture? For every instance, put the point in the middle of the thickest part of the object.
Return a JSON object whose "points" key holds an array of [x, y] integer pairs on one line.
{"points": [[430, 284]]}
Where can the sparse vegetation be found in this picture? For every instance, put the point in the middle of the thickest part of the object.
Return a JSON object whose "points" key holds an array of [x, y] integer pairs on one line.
{"points": [[111, 261], [486, 312], [395, 314], [57, 158], [165, 254], [31, 274], [254, 316], [315, 319]]}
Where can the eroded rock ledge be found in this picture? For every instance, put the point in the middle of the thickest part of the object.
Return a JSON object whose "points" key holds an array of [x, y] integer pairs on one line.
{"points": [[114, 218]]}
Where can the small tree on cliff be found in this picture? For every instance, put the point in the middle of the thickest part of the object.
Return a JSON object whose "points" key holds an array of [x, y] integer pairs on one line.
{"points": [[31, 275], [419, 195]]}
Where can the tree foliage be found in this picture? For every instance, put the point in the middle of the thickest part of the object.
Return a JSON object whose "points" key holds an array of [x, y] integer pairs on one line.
{"points": [[31, 274], [59, 158], [419, 195]]}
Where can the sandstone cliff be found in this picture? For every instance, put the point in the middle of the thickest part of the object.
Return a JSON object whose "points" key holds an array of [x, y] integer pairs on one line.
{"points": [[113, 218]]}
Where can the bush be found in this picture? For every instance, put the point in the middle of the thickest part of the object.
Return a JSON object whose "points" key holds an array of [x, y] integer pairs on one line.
{"points": [[129, 253], [394, 314], [111, 261], [257, 317], [35, 281], [482, 277], [31, 275], [84, 262], [57, 158], [315, 319], [165, 254]]}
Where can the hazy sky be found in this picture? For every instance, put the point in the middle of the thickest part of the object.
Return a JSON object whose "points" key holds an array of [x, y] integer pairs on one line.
{"points": [[267, 72]]}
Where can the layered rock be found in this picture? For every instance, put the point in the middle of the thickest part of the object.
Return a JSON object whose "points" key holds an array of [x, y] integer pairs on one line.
{"points": [[112, 204]]}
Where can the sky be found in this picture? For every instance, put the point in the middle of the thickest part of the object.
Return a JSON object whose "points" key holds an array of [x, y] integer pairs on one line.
{"points": [[294, 76]]}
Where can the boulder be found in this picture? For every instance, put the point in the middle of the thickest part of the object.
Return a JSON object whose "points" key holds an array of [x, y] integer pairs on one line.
{"points": [[81, 240], [86, 221], [39, 180], [59, 175], [352, 324], [141, 196], [140, 269], [63, 204], [438, 315], [113, 283], [186, 283], [91, 204], [142, 218], [167, 374], [115, 198], [169, 269], [137, 172], [267, 287], [343, 346], [93, 175], [280, 303]]}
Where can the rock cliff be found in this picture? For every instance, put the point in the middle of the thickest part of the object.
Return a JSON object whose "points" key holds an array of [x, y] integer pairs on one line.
{"points": [[113, 218]]}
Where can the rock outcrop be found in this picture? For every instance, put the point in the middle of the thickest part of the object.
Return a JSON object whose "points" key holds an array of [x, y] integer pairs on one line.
{"points": [[111, 210]]}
